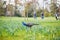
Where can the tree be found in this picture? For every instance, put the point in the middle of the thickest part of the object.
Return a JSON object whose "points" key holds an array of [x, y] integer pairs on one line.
{"points": [[1, 8], [29, 9], [53, 7]]}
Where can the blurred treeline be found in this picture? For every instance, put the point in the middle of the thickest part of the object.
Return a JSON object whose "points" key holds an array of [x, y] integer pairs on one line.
{"points": [[10, 10]]}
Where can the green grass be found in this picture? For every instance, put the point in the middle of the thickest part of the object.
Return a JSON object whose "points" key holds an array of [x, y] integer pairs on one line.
{"points": [[11, 28]]}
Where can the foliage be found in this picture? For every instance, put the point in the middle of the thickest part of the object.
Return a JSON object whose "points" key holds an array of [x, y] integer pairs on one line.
{"points": [[47, 14], [2, 10], [17, 14], [39, 12], [53, 8], [29, 10]]}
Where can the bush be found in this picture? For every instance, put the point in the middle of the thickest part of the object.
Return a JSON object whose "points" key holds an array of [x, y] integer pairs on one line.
{"points": [[47, 14], [18, 14]]}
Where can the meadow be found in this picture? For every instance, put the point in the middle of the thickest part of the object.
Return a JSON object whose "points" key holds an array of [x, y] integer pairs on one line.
{"points": [[11, 28]]}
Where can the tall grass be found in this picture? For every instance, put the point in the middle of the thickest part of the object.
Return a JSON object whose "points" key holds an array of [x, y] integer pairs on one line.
{"points": [[11, 28]]}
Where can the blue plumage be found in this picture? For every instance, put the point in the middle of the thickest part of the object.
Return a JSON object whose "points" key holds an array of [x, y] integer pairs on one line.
{"points": [[28, 24], [23, 23]]}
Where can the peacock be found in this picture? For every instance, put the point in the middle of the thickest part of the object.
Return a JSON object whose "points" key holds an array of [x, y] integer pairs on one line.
{"points": [[29, 24]]}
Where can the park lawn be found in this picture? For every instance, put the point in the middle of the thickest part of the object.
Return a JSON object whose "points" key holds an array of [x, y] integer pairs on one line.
{"points": [[11, 28]]}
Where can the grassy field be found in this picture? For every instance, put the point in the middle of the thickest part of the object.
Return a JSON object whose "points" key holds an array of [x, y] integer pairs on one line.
{"points": [[11, 28]]}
